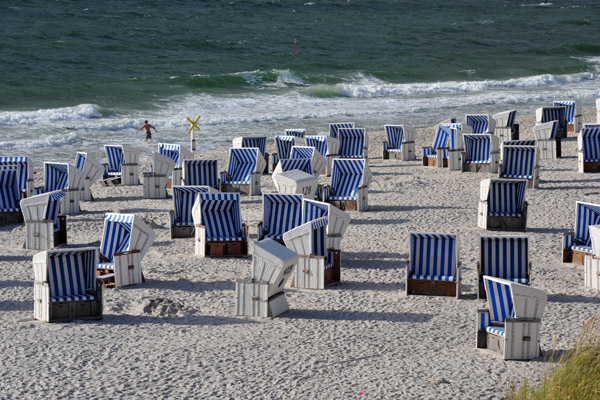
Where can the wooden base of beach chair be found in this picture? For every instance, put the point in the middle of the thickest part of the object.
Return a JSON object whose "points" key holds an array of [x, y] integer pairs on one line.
{"points": [[266, 171], [567, 255], [432, 288], [479, 167], [432, 162], [179, 232], [243, 189], [591, 272], [252, 301], [406, 154], [589, 166], [226, 249], [578, 256], [507, 223], [107, 277], [109, 180], [64, 311], [11, 218], [345, 205]]}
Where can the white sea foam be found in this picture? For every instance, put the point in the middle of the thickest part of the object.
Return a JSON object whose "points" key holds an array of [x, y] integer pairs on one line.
{"points": [[48, 116]]}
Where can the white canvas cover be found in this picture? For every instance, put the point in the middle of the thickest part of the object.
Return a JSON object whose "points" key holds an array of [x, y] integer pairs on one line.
{"points": [[595, 237], [272, 263], [131, 155], [92, 168], [162, 165], [297, 179], [338, 220]]}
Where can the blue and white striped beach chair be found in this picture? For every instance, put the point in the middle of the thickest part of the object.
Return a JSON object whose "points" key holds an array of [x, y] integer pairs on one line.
{"points": [[114, 161], [547, 114], [184, 197], [125, 241], [572, 114], [336, 126], [46, 229], [65, 286], [588, 149], [338, 222], [219, 227], [295, 132], [505, 257], [400, 143], [178, 154], [577, 243], [259, 142], [327, 146], [447, 137], [317, 161], [201, 173], [121, 166], [502, 204], [506, 128], [481, 153], [546, 141], [480, 123], [520, 162], [10, 196], [349, 189], [92, 170], [281, 212], [67, 178], [244, 171], [434, 264], [354, 143], [283, 146], [316, 267], [25, 172], [285, 165], [510, 325]]}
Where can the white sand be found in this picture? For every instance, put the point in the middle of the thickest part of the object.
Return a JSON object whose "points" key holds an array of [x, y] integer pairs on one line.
{"points": [[176, 336]]}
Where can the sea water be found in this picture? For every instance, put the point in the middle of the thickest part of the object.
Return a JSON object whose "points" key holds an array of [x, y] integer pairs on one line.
{"points": [[75, 75]]}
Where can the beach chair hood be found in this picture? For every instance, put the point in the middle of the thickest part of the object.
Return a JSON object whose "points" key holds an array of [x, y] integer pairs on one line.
{"points": [[338, 220], [125, 232], [42, 207], [162, 165]]}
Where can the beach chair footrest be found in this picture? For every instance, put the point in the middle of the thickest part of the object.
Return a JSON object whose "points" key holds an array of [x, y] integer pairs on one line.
{"points": [[11, 218], [227, 249], [437, 288]]}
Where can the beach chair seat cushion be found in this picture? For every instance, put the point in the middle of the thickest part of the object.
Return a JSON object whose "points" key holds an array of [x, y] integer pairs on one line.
{"points": [[504, 214], [445, 278], [585, 249], [106, 265], [496, 330], [72, 297]]}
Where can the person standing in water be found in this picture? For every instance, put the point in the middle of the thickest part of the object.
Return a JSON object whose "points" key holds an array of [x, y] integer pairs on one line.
{"points": [[147, 128]]}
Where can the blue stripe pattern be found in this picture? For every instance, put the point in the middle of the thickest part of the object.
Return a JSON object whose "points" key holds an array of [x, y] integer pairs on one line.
{"points": [[170, 150], [10, 194], [352, 142], [346, 177], [335, 127], [319, 142], [505, 257], [478, 148], [221, 216], [569, 109], [395, 137], [312, 210], [518, 162], [483, 320], [555, 114], [183, 201], [22, 164], [294, 132], [496, 330], [242, 163], [56, 176], [281, 212], [590, 137], [200, 173], [259, 142], [441, 139], [116, 235], [479, 123], [70, 273], [586, 214], [506, 198], [433, 256], [80, 160], [500, 300], [114, 156], [301, 164], [302, 152], [52, 207], [284, 146]]}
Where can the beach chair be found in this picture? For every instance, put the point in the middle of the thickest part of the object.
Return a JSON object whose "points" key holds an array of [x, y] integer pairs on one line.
{"points": [[510, 325], [10, 196], [337, 223], [548, 146], [506, 129], [294, 179], [283, 147], [300, 133], [243, 172], [520, 162], [121, 166], [126, 239], [178, 154], [316, 268], [262, 294], [336, 126], [92, 171], [281, 212], [481, 154], [317, 161], [349, 189], [588, 149], [447, 137], [155, 181], [184, 197], [259, 142], [45, 228], [201, 173], [434, 266], [400, 144], [591, 262], [354, 143], [67, 178], [547, 114], [219, 228], [578, 243], [25, 172], [480, 123], [502, 204], [572, 114], [505, 257], [328, 146], [65, 286]]}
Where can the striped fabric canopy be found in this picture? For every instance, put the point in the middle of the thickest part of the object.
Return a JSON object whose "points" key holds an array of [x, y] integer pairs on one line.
{"points": [[200, 173], [220, 214], [518, 162], [506, 197], [319, 142], [242, 163], [346, 177], [114, 156], [586, 214], [335, 127], [70, 273], [479, 123], [395, 136], [183, 201], [352, 142], [56, 176], [522, 142], [570, 109], [170, 150], [116, 235], [500, 301], [555, 114], [295, 132], [590, 143], [312, 210], [52, 206], [284, 146], [23, 167], [505, 119], [433, 256], [478, 148], [319, 236], [545, 131], [505, 257], [302, 152], [302, 164], [259, 142], [281, 212], [9, 189], [80, 160]]}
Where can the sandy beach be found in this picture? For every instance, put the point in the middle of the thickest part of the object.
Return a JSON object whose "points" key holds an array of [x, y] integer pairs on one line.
{"points": [[176, 335]]}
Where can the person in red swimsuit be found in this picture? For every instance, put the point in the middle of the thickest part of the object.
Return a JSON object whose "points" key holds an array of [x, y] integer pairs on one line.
{"points": [[147, 127]]}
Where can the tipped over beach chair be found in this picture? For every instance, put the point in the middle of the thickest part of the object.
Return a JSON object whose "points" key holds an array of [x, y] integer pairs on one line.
{"points": [[480, 123], [400, 144], [573, 114], [520, 162], [46, 229], [482, 153], [201, 173], [510, 325], [65, 286], [505, 257], [262, 294], [181, 220], [349, 189], [434, 266], [506, 129], [24, 166], [243, 173], [316, 267], [259, 142], [126, 239], [178, 154], [295, 177], [502, 204], [336, 126], [548, 145], [281, 212], [10, 196], [121, 166], [327, 146], [155, 182], [219, 228], [588, 149], [578, 243], [354, 143], [92, 172], [547, 114], [67, 178]]}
